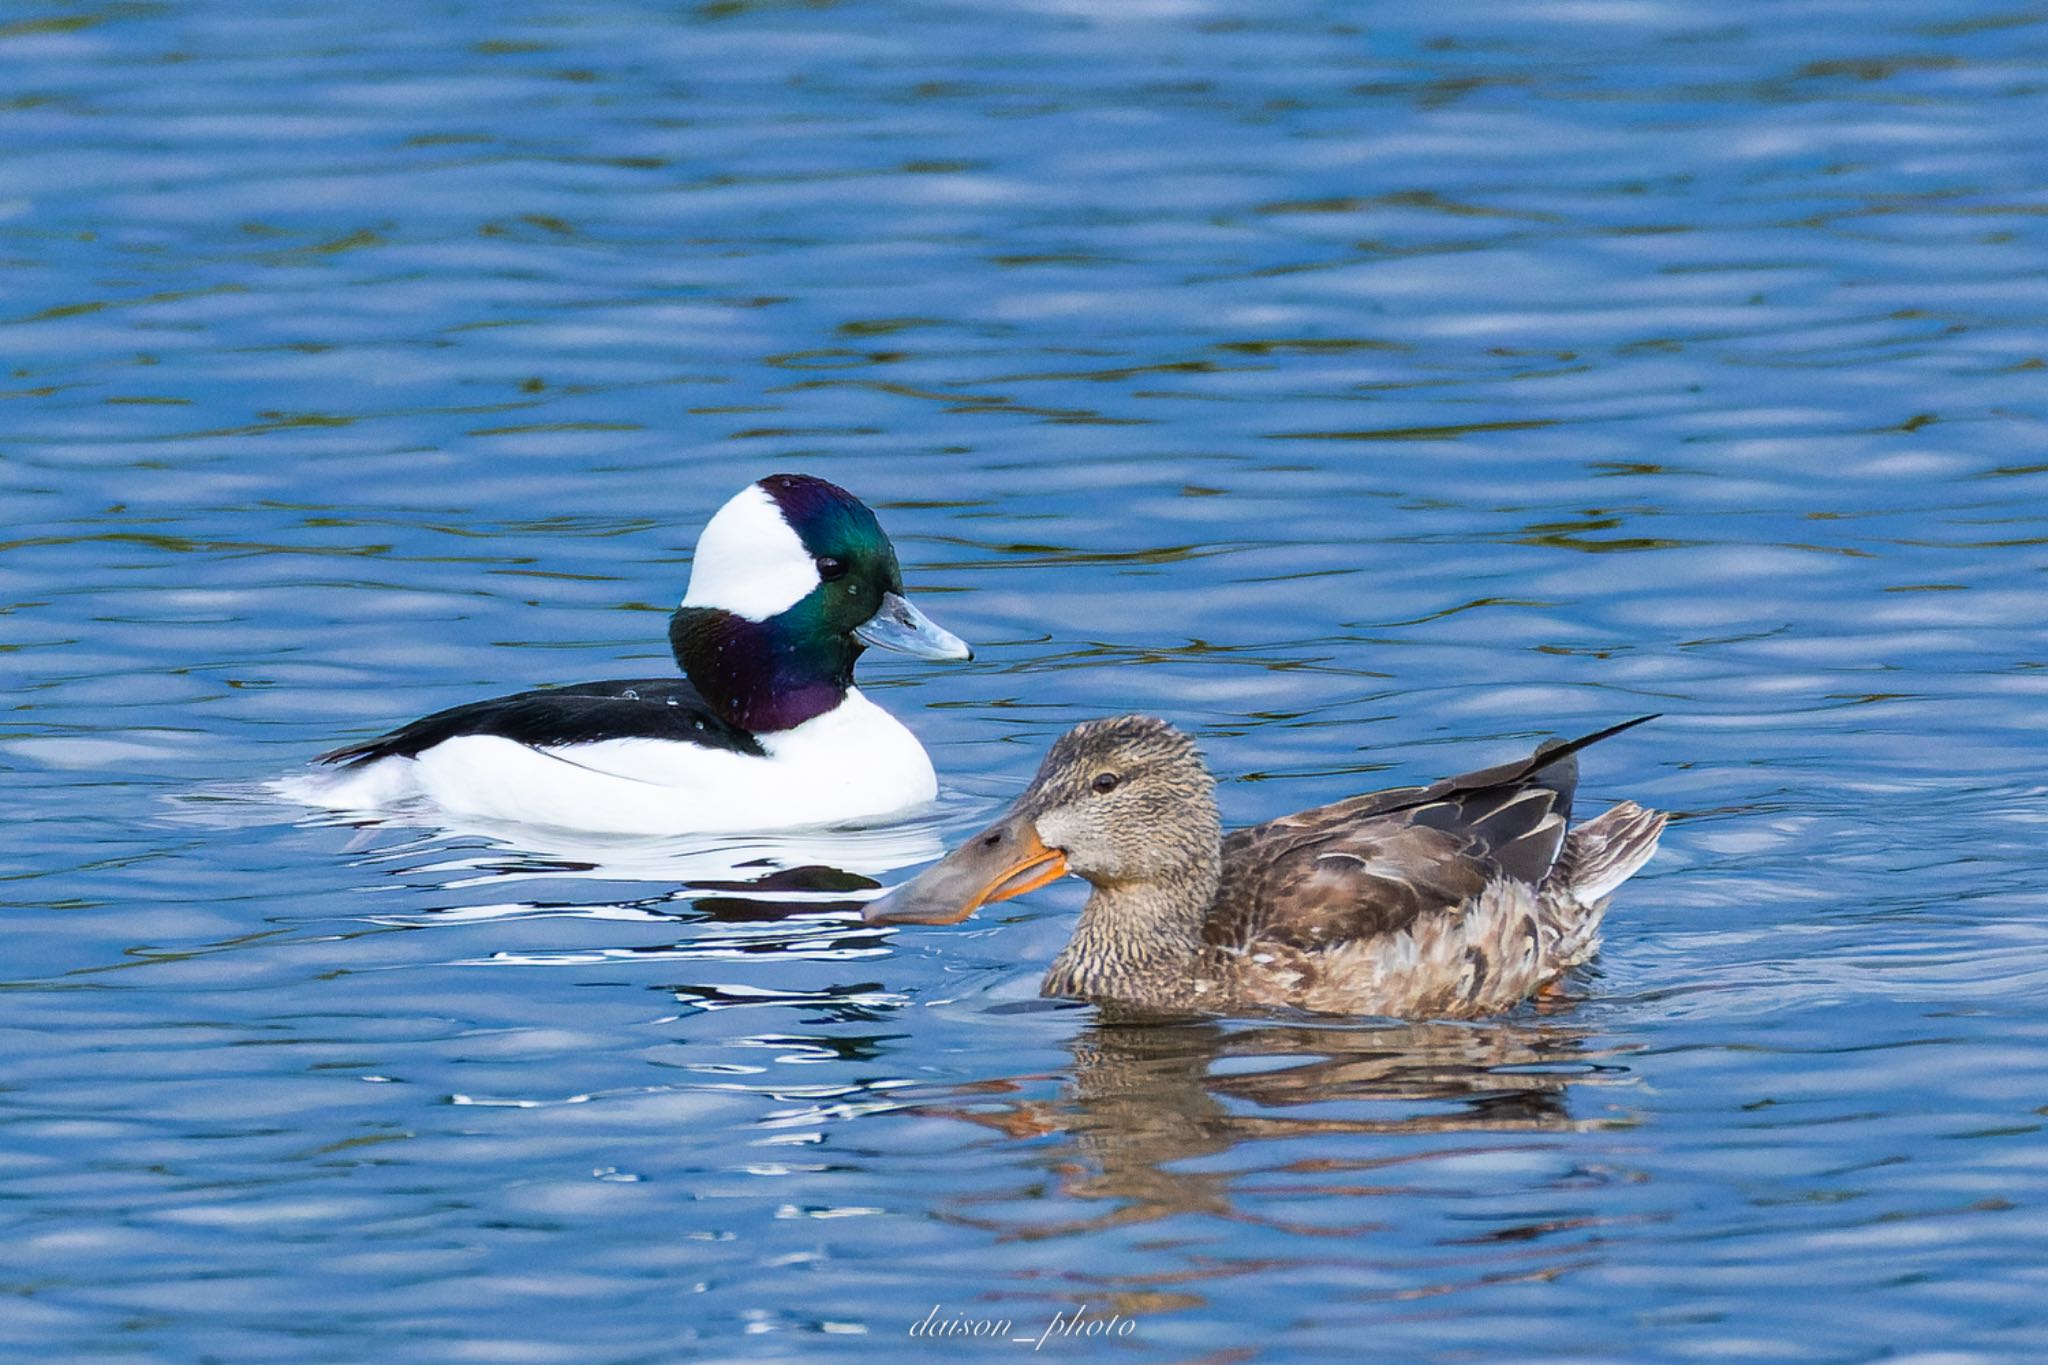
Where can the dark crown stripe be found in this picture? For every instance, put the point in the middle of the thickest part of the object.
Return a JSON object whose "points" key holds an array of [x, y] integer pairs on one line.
{"points": [[824, 516]]}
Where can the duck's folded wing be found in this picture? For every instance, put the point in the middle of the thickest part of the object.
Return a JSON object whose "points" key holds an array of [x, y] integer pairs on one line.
{"points": [[1318, 889], [1373, 864], [558, 717]]}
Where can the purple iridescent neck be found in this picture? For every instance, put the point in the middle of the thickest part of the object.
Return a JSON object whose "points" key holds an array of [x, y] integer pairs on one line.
{"points": [[762, 676]]}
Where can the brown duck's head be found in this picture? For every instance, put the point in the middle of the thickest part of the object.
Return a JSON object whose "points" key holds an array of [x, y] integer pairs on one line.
{"points": [[1116, 802]]}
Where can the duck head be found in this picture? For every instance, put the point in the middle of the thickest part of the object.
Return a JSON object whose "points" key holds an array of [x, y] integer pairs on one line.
{"points": [[1125, 804], [792, 580]]}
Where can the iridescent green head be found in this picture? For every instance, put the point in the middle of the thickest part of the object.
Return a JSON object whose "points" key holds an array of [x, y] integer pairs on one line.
{"points": [[792, 580]]}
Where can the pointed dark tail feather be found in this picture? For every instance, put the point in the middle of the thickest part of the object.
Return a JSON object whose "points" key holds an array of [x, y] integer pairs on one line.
{"points": [[1606, 851], [1553, 766], [1554, 750], [1548, 755]]}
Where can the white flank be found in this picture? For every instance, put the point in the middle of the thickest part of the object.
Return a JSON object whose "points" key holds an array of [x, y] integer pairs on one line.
{"points": [[856, 762], [748, 561]]}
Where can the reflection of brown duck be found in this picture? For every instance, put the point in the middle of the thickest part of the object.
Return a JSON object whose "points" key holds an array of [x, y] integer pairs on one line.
{"points": [[1145, 1101], [1454, 900]]}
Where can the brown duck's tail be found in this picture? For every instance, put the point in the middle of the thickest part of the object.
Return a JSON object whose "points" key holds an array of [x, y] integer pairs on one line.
{"points": [[1603, 853], [1598, 856]]}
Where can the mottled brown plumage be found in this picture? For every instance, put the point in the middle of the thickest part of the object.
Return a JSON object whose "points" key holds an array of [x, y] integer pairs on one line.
{"points": [[1454, 900]]}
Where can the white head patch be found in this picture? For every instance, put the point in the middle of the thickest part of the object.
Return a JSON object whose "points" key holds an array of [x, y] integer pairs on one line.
{"points": [[749, 562]]}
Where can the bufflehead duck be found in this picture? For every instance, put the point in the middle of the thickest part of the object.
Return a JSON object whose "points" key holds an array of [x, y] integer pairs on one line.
{"points": [[793, 578]]}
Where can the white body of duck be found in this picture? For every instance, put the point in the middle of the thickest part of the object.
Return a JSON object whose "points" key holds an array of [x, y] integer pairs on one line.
{"points": [[854, 763]]}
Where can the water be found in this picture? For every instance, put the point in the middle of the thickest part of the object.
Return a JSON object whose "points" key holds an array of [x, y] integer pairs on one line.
{"points": [[1371, 390]]}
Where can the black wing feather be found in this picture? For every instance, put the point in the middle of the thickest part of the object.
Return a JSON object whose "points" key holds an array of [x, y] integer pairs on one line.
{"points": [[554, 717]]}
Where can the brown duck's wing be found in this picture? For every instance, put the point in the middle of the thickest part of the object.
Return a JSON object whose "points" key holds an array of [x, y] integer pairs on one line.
{"points": [[1372, 864], [1312, 890]]}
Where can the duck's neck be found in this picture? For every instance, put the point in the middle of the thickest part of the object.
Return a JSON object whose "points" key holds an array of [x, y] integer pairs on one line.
{"points": [[1140, 941], [761, 676]]}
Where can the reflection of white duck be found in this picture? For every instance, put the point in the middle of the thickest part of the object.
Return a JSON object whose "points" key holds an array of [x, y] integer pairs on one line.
{"points": [[686, 862], [802, 877], [792, 579]]}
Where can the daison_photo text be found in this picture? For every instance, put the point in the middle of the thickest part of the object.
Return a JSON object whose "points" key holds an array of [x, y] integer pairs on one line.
{"points": [[1066, 1325]]}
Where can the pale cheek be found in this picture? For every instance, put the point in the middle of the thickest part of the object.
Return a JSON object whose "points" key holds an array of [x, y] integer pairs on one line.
{"points": [[1057, 829], [1092, 849]]}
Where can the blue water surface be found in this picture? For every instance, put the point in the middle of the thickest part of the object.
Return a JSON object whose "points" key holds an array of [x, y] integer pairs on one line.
{"points": [[1371, 389]]}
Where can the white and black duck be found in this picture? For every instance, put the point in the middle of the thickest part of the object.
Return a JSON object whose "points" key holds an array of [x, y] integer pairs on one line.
{"points": [[792, 579]]}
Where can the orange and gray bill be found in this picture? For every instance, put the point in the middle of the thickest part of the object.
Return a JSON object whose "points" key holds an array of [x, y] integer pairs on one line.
{"points": [[1006, 859]]}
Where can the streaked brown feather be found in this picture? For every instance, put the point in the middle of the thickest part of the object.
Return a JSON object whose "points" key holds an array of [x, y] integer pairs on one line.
{"points": [[1454, 899], [1374, 864]]}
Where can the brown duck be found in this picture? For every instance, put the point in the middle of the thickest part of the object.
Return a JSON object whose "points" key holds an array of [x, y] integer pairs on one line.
{"points": [[1454, 900]]}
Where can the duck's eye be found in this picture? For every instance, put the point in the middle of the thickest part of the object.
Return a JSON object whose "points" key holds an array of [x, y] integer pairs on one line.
{"points": [[1105, 782], [831, 568]]}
